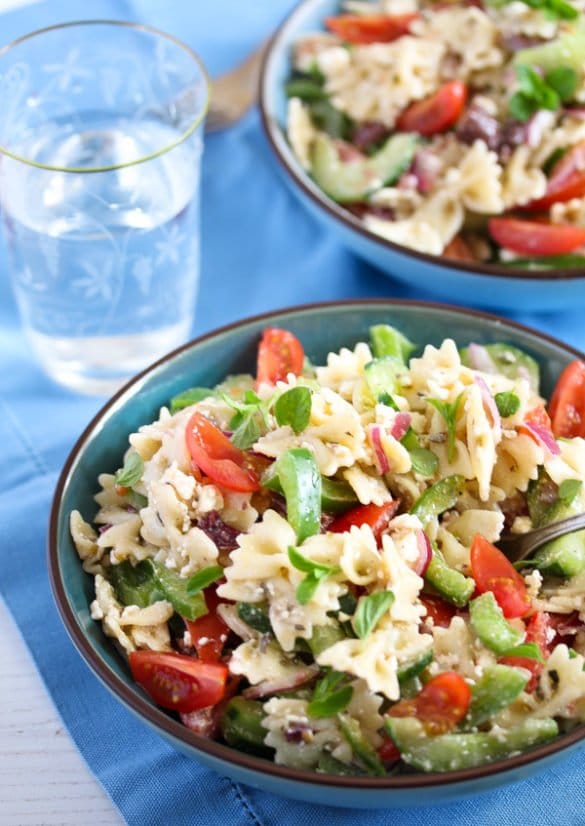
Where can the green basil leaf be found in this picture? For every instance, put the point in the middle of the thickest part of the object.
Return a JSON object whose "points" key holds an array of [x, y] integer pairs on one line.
{"points": [[564, 80], [308, 566], [306, 588], [189, 397], [530, 650], [294, 408], [370, 611], [347, 604], [424, 462], [132, 471], [449, 413], [247, 430], [255, 615], [330, 696], [203, 578], [507, 404], [569, 489]]}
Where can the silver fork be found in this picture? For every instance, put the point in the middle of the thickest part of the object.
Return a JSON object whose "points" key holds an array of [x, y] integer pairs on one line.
{"points": [[234, 92], [523, 545]]}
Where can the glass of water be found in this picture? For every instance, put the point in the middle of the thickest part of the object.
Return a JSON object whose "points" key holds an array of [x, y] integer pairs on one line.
{"points": [[101, 134]]}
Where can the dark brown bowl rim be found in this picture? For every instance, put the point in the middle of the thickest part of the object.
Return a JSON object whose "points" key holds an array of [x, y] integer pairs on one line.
{"points": [[272, 129], [174, 729]]}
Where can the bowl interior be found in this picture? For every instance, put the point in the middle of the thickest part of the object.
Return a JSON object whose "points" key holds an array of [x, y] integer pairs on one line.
{"points": [[321, 328], [457, 281]]}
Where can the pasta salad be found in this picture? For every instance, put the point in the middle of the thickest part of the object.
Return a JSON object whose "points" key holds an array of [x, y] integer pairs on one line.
{"points": [[456, 129], [303, 563]]}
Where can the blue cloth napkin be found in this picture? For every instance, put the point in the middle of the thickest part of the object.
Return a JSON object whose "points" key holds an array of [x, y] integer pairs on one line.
{"points": [[260, 251]]}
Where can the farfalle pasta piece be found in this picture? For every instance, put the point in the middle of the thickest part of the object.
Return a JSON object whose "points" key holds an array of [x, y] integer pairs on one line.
{"points": [[468, 33]]}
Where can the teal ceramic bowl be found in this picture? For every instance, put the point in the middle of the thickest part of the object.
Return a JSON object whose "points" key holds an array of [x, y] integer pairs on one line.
{"points": [[205, 362], [481, 285]]}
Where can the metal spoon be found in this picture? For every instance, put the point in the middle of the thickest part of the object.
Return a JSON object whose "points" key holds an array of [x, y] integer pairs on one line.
{"points": [[523, 545], [233, 93]]}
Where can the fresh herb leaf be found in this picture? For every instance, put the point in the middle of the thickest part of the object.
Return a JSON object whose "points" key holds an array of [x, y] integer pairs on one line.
{"points": [[507, 404], [370, 610], [449, 413], [347, 604], [294, 408], [250, 420], [526, 649], [569, 489], [132, 471], [564, 80], [203, 578], [306, 89], [330, 695], [189, 397], [386, 398], [255, 615], [424, 461], [536, 91], [316, 573], [387, 341], [331, 120]]}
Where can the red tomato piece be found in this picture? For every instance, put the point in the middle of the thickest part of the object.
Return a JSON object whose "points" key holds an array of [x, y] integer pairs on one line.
{"points": [[388, 752], [440, 705], [493, 571], [279, 353], [567, 404], [209, 632], [220, 460], [528, 664], [438, 610], [178, 682], [535, 237], [539, 417], [567, 180], [376, 516], [371, 28], [435, 113], [537, 631]]}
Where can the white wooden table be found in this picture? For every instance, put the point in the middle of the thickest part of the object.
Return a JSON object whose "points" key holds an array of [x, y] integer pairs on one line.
{"points": [[43, 779]]}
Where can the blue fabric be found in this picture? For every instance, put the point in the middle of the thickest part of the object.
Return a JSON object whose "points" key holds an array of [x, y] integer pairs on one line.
{"points": [[260, 251]]}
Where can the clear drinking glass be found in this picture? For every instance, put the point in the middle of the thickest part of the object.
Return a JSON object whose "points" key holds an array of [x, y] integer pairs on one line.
{"points": [[101, 134]]}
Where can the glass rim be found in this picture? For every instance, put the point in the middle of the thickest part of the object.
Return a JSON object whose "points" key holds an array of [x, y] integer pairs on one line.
{"points": [[4, 50]]}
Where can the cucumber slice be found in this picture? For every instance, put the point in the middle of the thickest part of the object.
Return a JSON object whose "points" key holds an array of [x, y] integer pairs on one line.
{"points": [[347, 181], [565, 50], [510, 361]]}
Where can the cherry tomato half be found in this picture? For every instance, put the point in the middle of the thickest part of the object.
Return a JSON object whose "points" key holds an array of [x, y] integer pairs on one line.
{"points": [[435, 113], [209, 632], [178, 682], [459, 250], [537, 630], [371, 28], [440, 705], [279, 354], [493, 571], [439, 610], [567, 180], [567, 404], [535, 237], [220, 460], [376, 516]]}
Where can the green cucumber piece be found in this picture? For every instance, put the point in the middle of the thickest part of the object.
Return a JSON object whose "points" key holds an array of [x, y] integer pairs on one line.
{"points": [[490, 625], [348, 181], [511, 361], [324, 636], [174, 586], [497, 687], [448, 582], [359, 745], [455, 751], [381, 376], [440, 497], [387, 341], [408, 671], [241, 726], [564, 556], [566, 50]]}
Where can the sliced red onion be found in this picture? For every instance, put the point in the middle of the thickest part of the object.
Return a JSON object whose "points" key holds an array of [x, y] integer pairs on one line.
{"points": [[381, 457], [425, 553], [288, 683], [401, 425], [490, 406], [348, 152], [480, 359], [536, 126], [577, 112], [543, 437], [407, 181], [204, 721], [573, 161], [425, 167]]}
